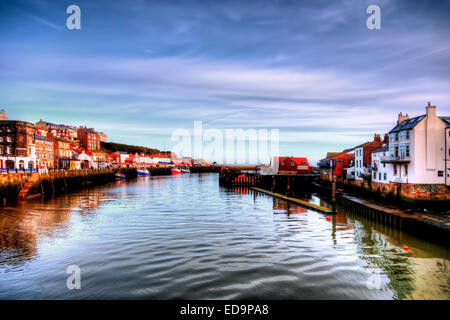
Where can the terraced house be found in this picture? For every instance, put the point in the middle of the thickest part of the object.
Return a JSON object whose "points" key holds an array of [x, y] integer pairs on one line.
{"points": [[44, 152], [17, 145]]}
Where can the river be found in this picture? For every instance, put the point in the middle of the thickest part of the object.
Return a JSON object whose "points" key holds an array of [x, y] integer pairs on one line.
{"points": [[173, 237]]}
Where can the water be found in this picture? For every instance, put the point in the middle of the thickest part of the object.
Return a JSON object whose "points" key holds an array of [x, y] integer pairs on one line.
{"points": [[185, 237]]}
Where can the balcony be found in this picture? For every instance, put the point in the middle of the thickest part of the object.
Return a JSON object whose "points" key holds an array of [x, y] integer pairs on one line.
{"points": [[398, 159], [400, 179]]}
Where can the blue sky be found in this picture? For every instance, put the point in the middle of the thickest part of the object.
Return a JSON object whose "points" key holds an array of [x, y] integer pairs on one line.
{"points": [[138, 70]]}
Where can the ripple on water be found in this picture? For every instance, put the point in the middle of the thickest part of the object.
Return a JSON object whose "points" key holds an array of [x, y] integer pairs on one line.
{"points": [[185, 237]]}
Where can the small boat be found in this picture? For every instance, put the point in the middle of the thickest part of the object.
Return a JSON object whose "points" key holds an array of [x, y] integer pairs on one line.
{"points": [[120, 175], [185, 171], [176, 171], [143, 172]]}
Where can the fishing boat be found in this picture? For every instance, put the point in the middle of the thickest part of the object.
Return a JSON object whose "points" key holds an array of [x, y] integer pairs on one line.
{"points": [[176, 171], [143, 172], [120, 175], [185, 171]]}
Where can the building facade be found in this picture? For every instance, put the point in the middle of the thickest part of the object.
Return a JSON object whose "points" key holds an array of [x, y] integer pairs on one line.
{"points": [[363, 157], [62, 153], [380, 171], [419, 150], [17, 145], [44, 152], [88, 139]]}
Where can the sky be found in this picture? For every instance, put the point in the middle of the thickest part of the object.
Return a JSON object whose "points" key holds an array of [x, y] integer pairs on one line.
{"points": [[139, 70]]}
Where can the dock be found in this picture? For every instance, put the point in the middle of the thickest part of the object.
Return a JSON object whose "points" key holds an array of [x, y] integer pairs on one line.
{"points": [[299, 202]]}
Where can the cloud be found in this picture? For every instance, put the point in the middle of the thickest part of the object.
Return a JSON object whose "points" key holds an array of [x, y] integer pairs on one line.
{"points": [[311, 69]]}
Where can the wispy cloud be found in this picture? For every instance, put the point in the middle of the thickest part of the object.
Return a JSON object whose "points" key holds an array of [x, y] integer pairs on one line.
{"points": [[311, 69]]}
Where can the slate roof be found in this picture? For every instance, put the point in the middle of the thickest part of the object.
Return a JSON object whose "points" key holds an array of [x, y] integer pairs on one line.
{"points": [[382, 149], [407, 124], [446, 121]]}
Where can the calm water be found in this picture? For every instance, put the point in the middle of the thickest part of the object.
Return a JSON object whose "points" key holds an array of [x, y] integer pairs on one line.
{"points": [[185, 237]]}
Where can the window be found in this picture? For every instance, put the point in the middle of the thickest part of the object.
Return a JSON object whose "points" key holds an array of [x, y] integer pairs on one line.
{"points": [[395, 169], [379, 176], [440, 173], [384, 176], [406, 170], [407, 150], [292, 164], [374, 175], [396, 151]]}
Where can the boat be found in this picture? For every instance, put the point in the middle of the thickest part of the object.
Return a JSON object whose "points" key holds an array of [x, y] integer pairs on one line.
{"points": [[120, 175], [142, 172], [176, 171], [185, 171]]}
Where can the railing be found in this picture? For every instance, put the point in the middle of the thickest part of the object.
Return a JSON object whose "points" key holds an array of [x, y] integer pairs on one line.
{"points": [[394, 159]]}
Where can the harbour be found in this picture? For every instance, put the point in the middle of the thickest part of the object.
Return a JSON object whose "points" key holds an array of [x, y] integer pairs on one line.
{"points": [[147, 238]]}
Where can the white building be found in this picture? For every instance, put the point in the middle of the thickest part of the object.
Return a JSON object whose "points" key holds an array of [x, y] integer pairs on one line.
{"points": [[419, 149], [363, 157], [380, 170], [359, 170]]}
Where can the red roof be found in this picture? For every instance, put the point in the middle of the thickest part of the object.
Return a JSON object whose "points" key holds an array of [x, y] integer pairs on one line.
{"points": [[298, 160]]}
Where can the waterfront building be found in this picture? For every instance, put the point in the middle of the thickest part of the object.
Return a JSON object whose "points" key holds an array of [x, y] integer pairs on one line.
{"points": [[291, 165], [62, 153], [159, 159], [17, 145], [363, 157], [44, 152], [343, 160], [419, 149], [380, 171], [100, 159], [88, 139]]}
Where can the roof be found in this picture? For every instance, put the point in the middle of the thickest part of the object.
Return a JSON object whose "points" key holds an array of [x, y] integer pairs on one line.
{"points": [[382, 149], [332, 154], [36, 136], [362, 144], [446, 121], [407, 124], [297, 160], [349, 149]]}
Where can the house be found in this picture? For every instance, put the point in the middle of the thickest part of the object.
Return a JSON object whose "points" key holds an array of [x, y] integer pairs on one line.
{"points": [[44, 152], [380, 171], [336, 163], [62, 153], [89, 139], [17, 145], [363, 157], [291, 165], [419, 149]]}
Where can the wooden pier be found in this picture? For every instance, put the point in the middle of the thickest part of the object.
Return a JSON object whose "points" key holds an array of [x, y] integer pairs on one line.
{"points": [[299, 202]]}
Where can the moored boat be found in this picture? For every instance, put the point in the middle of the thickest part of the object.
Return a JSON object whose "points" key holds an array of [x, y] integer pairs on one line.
{"points": [[142, 172], [185, 171], [176, 171], [120, 175]]}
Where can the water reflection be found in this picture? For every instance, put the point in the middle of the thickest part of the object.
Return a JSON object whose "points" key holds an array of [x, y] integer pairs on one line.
{"points": [[185, 237]]}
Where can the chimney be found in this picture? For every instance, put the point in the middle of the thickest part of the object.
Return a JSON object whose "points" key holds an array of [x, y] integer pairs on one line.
{"points": [[431, 110], [402, 118], [386, 139], [377, 137]]}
